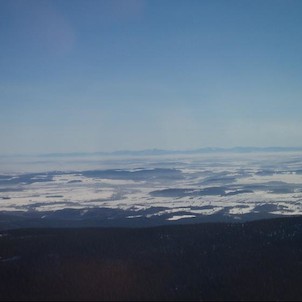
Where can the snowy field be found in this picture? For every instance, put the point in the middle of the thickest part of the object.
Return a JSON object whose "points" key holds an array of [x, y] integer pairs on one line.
{"points": [[174, 187]]}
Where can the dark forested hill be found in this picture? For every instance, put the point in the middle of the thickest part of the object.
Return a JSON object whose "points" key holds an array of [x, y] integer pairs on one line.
{"points": [[260, 260]]}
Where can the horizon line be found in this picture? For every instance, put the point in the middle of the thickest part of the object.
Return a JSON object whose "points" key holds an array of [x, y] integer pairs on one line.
{"points": [[158, 151]]}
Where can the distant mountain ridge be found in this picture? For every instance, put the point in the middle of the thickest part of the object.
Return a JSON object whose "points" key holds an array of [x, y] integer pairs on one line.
{"points": [[158, 152], [151, 152]]}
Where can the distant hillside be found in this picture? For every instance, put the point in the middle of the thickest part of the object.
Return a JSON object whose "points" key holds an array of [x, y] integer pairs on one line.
{"points": [[156, 152]]}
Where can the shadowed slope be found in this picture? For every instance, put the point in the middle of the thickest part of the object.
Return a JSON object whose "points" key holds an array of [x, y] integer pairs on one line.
{"points": [[259, 260]]}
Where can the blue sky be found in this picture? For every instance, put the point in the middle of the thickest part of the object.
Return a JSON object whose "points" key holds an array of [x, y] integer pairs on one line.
{"points": [[114, 75]]}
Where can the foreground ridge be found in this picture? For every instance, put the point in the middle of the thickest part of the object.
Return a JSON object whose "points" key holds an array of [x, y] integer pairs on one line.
{"points": [[259, 260]]}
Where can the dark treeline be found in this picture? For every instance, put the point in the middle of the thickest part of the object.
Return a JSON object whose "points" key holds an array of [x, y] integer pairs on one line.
{"points": [[260, 260]]}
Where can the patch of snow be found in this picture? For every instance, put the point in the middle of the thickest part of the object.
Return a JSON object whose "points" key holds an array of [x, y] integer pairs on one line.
{"points": [[173, 218]]}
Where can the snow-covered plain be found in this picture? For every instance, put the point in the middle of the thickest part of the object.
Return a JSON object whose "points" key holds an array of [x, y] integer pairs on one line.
{"points": [[174, 187]]}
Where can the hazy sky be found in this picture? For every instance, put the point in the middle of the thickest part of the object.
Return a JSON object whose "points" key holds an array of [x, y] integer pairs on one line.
{"points": [[113, 75]]}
